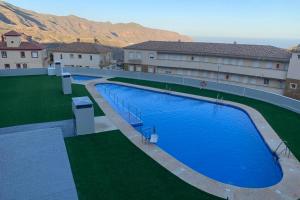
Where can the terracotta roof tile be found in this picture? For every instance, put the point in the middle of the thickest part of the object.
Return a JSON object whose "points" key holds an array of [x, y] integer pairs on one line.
{"points": [[79, 47], [12, 33], [259, 52], [23, 46]]}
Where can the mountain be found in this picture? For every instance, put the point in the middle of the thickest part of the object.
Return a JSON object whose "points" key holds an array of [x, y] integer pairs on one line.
{"points": [[50, 28]]}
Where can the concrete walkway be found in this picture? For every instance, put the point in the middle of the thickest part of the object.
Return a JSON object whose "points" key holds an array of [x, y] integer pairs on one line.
{"points": [[287, 188], [102, 124], [66, 126], [34, 165]]}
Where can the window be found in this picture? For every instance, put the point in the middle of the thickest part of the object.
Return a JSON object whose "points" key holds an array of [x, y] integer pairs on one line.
{"points": [[7, 66], [79, 56], [293, 86], [24, 66], [18, 66], [61, 56], [34, 54], [91, 57], [22, 54], [252, 80], [299, 56], [131, 55], [226, 61], [270, 65], [256, 64], [3, 54], [266, 81], [138, 55], [277, 66], [71, 56], [151, 55]]}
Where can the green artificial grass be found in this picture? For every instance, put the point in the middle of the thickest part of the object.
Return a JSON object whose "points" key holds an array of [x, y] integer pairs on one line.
{"points": [[285, 122], [108, 166], [34, 99]]}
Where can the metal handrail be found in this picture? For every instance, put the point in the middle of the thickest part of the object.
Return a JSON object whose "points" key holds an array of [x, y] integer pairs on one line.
{"points": [[146, 137], [219, 99], [125, 106], [285, 150]]}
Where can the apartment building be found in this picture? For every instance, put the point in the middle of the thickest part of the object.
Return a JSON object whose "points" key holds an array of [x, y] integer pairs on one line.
{"points": [[255, 66], [292, 88], [16, 53], [80, 54]]}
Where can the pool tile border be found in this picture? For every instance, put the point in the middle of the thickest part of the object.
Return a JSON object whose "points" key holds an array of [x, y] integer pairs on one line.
{"points": [[287, 188]]}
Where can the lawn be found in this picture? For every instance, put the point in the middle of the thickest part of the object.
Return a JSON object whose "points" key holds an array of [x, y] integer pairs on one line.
{"points": [[109, 167], [33, 99], [286, 123]]}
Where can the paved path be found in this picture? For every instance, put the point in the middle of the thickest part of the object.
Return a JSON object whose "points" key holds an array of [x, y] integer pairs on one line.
{"points": [[102, 124], [34, 165], [67, 127]]}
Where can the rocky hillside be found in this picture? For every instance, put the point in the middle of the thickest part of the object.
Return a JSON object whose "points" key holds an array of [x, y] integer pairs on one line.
{"points": [[51, 28]]}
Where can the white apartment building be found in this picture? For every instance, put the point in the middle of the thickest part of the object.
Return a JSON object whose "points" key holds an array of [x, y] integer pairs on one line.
{"points": [[255, 66], [16, 53], [80, 54]]}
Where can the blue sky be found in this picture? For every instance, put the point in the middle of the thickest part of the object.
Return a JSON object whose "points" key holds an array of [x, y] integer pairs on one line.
{"points": [[209, 18]]}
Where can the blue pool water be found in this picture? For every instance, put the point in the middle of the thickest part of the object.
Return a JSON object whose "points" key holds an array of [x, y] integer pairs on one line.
{"points": [[218, 141], [83, 78]]}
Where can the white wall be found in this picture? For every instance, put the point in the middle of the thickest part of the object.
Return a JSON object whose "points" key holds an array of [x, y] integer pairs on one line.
{"points": [[144, 56], [248, 67], [294, 67], [14, 58], [84, 61], [243, 71], [13, 41]]}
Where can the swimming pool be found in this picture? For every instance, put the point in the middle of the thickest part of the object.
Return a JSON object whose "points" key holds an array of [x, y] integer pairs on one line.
{"points": [[218, 141], [84, 78]]}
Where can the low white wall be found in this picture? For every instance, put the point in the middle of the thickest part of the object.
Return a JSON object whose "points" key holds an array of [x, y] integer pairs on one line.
{"points": [[273, 98], [279, 100], [23, 72]]}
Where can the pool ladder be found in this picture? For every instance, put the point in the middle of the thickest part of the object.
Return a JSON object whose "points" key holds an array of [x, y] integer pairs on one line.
{"points": [[168, 90], [149, 137], [285, 151], [219, 99], [132, 114]]}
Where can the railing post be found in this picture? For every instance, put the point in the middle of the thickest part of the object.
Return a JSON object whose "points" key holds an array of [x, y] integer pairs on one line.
{"points": [[128, 113]]}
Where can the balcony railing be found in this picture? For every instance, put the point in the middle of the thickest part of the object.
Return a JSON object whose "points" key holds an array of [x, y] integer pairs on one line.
{"points": [[135, 61], [216, 64], [225, 68]]}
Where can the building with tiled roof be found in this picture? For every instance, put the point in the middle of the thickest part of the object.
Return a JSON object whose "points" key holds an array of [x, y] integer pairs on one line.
{"points": [[254, 66], [80, 54], [12, 33], [16, 53], [257, 52]]}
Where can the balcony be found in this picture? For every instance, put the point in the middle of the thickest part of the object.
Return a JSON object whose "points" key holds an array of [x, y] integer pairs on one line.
{"points": [[225, 68], [135, 61]]}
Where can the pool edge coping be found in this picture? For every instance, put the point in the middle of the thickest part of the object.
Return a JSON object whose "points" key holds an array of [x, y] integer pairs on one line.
{"points": [[287, 187]]}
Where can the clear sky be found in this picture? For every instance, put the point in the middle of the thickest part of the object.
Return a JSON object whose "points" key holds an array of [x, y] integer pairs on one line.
{"points": [[209, 18]]}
